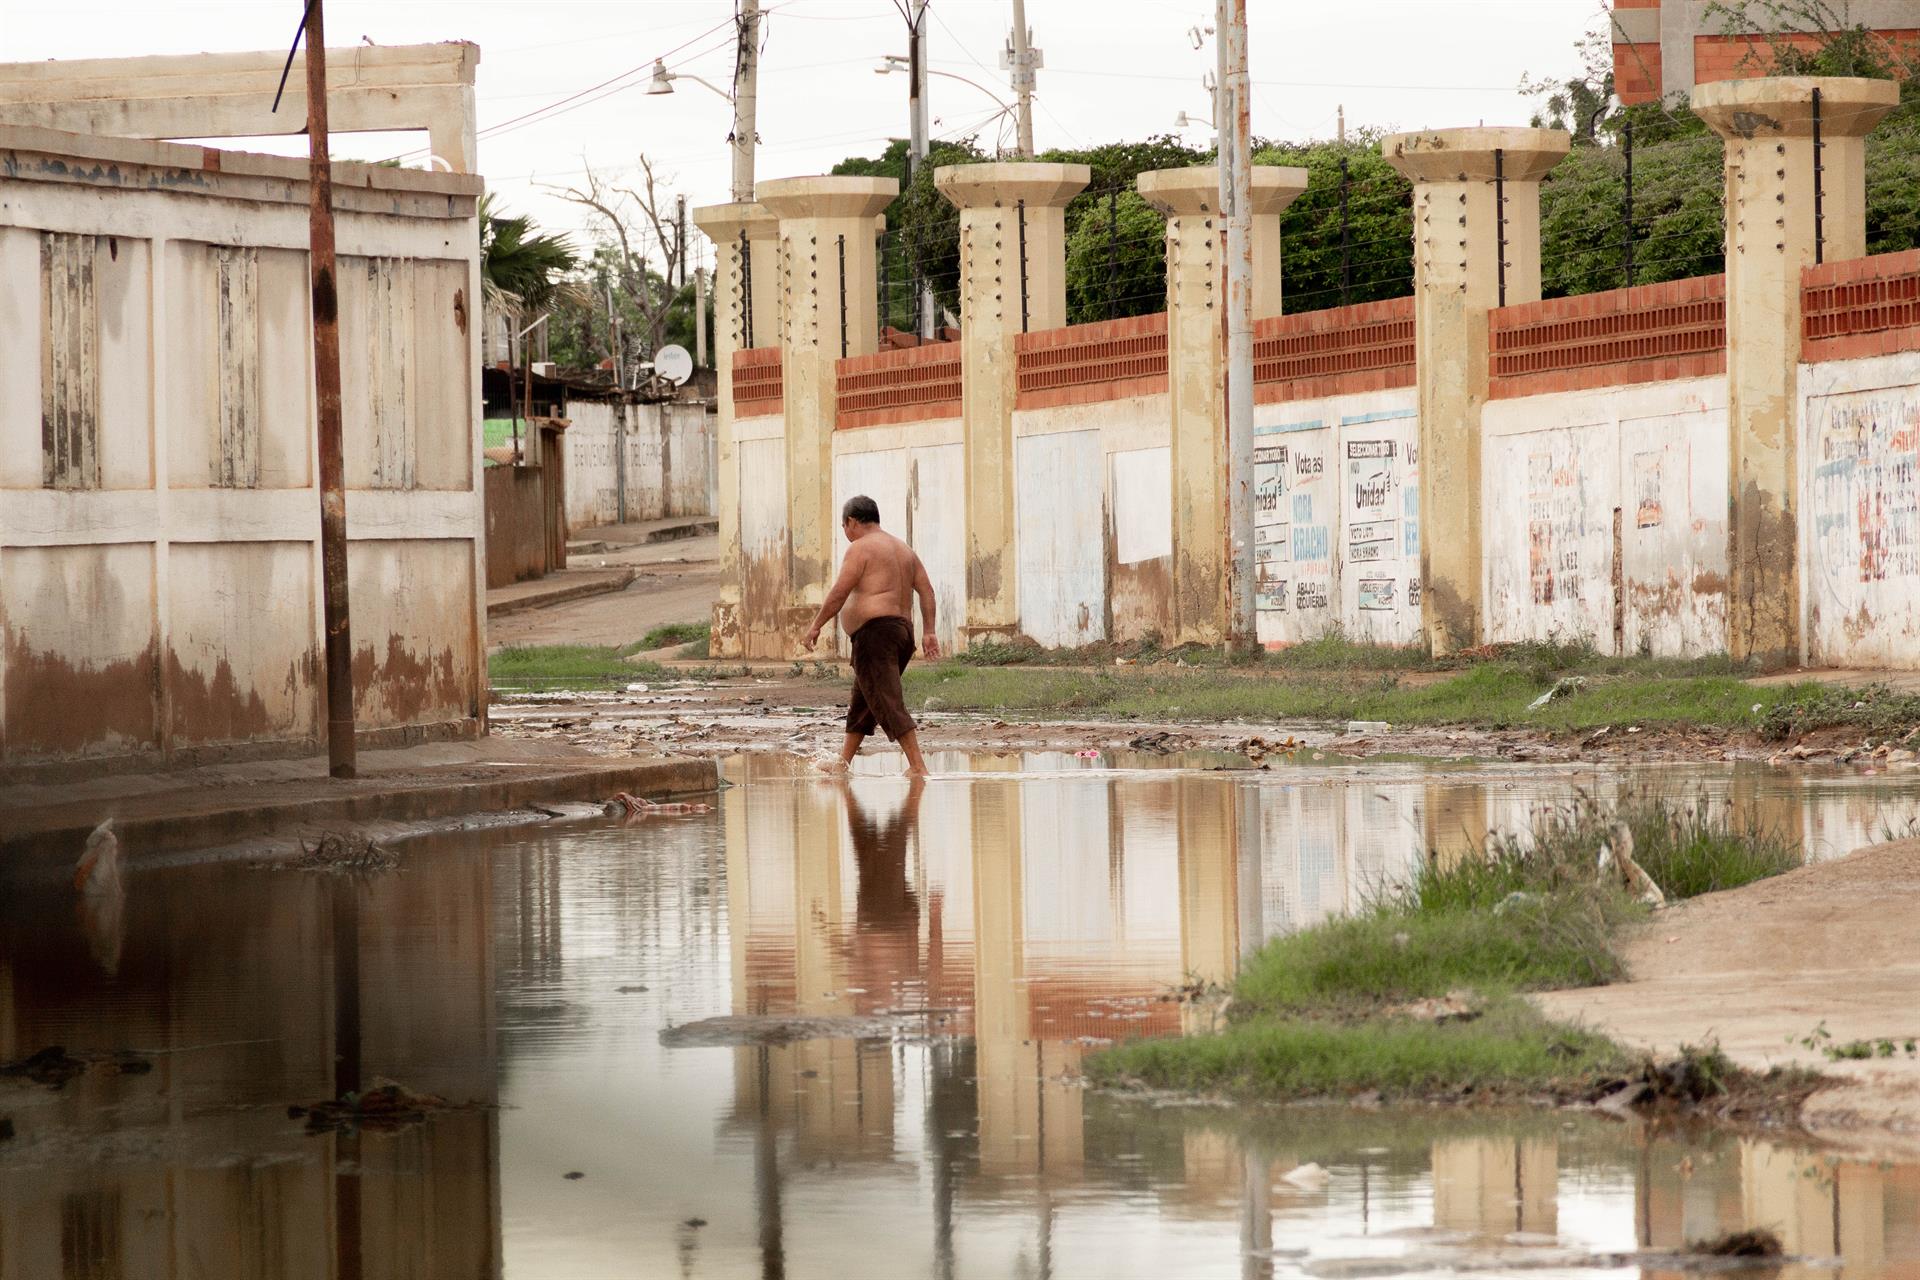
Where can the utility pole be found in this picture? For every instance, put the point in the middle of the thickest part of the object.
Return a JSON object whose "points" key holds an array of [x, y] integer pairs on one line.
{"points": [[699, 317], [746, 81], [1341, 128], [1021, 59], [1235, 123], [326, 381], [680, 239], [917, 147]]}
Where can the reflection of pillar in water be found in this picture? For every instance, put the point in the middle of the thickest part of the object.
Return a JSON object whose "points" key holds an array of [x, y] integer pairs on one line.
{"points": [[1456, 820], [1209, 898], [1496, 1186], [1819, 1209], [1256, 1219], [347, 1236], [1002, 1010]]}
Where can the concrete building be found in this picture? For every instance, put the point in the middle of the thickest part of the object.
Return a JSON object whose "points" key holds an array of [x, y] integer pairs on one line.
{"points": [[1665, 48], [160, 585], [1698, 466]]}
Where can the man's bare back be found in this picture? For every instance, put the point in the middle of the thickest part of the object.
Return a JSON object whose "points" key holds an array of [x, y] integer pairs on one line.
{"points": [[888, 569]]}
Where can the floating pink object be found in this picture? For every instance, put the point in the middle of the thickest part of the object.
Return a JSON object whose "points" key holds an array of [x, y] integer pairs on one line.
{"points": [[1090, 753]]}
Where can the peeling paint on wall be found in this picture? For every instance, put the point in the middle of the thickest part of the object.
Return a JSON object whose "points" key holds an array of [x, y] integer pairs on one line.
{"points": [[1059, 515], [69, 362]]}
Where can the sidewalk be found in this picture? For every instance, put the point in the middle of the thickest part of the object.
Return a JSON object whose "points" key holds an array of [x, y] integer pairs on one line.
{"points": [[557, 587], [44, 825]]}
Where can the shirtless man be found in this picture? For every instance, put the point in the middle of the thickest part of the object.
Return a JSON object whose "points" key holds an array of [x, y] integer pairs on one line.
{"points": [[873, 598]]}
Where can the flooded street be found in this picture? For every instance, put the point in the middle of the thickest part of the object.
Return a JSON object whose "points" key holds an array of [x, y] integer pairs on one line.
{"points": [[989, 929]]}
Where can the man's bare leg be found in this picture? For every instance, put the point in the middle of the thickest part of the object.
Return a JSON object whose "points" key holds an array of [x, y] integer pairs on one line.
{"points": [[916, 766], [851, 748]]}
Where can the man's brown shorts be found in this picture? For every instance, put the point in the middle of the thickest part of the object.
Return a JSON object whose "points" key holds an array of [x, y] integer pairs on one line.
{"points": [[882, 648]]}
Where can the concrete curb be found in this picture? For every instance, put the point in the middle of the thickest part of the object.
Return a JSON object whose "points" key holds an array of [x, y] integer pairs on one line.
{"points": [[188, 825], [560, 593]]}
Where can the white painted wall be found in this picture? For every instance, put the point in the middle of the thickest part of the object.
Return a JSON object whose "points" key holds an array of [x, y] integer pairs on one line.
{"points": [[1860, 511], [1558, 470], [1337, 518], [915, 472], [1059, 531], [669, 467]]}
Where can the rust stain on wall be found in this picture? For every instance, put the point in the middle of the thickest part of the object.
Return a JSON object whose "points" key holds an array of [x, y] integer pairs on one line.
{"points": [[217, 709], [406, 688], [56, 707], [1708, 583], [460, 309], [762, 605]]}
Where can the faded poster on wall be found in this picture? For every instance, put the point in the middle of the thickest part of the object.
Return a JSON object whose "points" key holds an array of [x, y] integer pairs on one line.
{"points": [[1270, 553], [1379, 555], [1293, 526], [1865, 544], [1555, 520]]}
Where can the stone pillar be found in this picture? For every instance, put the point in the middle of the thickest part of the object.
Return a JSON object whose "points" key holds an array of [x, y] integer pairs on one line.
{"points": [[1196, 369], [991, 199], [827, 311], [1768, 127], [1457, 232], [724, 224]]}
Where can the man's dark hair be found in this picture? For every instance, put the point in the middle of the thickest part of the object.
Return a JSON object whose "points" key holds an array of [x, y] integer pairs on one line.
{"points": [[862, 509]]}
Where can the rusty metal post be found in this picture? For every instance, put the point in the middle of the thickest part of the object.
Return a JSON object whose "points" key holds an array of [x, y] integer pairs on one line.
{"points": [[326, 380], [1236, 210]]}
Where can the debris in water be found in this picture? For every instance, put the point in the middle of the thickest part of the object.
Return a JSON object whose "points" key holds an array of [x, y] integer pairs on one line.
{"points": [[775, 1029], [344, 853], [385, 1107], [1258, 749], [1368, 726], [51, 1066], [636, 807], [628, 991], [695, 1223], [573, 1175], [1756, 1243], [1308, 1177], [97, 874], [1088, 753], [1162, 742]]}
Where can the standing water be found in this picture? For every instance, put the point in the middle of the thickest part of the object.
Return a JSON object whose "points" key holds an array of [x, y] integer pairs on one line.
{"points": [[949, 951]]}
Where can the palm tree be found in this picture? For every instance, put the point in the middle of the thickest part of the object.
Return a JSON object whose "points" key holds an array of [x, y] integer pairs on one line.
{"points": [[521, 268]]}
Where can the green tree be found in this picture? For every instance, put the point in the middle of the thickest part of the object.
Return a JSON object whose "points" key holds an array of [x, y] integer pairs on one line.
{"points": [[1378, 220]]}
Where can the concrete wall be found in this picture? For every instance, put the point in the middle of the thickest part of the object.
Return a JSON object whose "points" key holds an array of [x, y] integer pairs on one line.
{"points": [[159, 517], [630, 462], [1606, 517], [914, 471], [1860, 531], [1093, 521], [1337, 518], [760, 454]]}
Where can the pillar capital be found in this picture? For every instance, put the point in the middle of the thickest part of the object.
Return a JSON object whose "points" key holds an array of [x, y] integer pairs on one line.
{"points": [[1196, 189], [1005, 184], [723, 223], [1782, 106], [827, 197], [1468, 155]]}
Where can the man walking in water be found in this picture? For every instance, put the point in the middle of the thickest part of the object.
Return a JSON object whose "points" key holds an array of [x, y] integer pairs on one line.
{"points": [[873, 598]]}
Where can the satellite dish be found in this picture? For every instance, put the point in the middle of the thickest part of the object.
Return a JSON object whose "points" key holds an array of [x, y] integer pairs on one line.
{"points": [[674, 364]]}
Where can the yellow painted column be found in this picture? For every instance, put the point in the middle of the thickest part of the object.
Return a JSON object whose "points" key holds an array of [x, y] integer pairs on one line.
{"points": [[828, 311], [725, 224], [1000, 204], [1768, 128], [1196, 370], [1459, 176]]}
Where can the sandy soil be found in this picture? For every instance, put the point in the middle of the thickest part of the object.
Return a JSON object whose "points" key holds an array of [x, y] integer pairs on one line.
{"points": [[1760, 968]]}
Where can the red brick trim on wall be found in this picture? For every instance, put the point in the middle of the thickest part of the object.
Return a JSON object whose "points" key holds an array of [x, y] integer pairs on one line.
{"points": [[1340, 351], [1862, 307], [1092, 363], [914, 384], [1649, 333], [758, 383]]}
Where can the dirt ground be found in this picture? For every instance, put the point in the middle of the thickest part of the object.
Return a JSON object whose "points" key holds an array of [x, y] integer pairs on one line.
{"points": [[1761, 968], [676, 582]]}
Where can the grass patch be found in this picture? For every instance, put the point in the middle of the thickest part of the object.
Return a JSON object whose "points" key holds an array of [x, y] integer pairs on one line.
{"points": [[1493, 695], [693, 636], [567, 666], [1873, 709], [1324, 1011], [1510, 1049]]}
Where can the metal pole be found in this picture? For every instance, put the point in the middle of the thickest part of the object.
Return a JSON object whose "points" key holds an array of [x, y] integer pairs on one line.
{"points": [[842, 241], [746, 97], [917, 102], [746, 293], [680, 238], [1500, 217], [1020, 214], [1236, 209], [1346, 239], [1819, 186], [326, 382], [1022, 64], [1626, 247], [700, 317], [1113, 251]]}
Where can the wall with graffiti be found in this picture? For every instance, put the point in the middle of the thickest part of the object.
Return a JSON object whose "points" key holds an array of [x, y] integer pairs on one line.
{"points": [[1337, 519], [1604, 517], [1860, 535]]}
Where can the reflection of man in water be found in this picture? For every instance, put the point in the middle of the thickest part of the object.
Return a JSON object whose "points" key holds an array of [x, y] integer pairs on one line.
{"points": [[873, 597], [886, 941]]}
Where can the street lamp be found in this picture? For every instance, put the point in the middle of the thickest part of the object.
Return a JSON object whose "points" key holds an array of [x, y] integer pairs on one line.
{"points": [[894, 62], [662, 81]]}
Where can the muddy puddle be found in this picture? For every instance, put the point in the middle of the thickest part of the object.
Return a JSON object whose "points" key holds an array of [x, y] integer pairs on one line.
{"points": [[833, 1030]]}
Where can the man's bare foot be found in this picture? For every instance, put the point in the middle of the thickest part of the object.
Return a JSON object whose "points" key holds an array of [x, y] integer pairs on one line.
{"points": [[918, 771]]}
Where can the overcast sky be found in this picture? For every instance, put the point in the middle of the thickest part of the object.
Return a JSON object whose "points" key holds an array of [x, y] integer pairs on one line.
{"points": [[1115, 69]]}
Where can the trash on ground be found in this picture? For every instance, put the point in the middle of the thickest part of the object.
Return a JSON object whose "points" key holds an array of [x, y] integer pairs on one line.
{"points": [[1565, 686]]}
